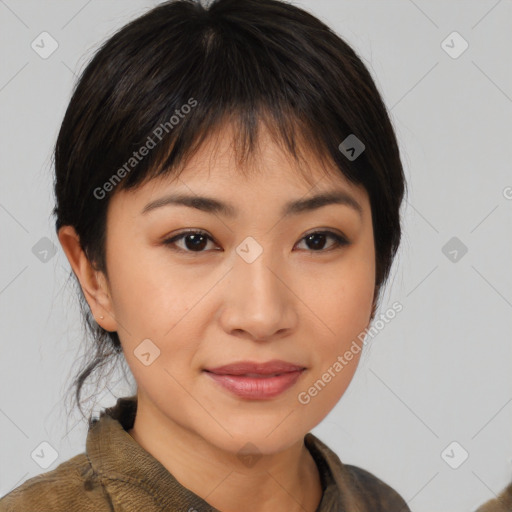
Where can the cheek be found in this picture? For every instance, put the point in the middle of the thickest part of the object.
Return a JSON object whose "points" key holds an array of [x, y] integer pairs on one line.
{"points": [[358, 285], [343, 309], [353, 304], [343, 301], [346, 311], [148, 295]]}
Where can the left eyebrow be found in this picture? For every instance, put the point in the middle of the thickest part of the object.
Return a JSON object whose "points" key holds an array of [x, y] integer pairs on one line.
{"points": [[211, 205]]}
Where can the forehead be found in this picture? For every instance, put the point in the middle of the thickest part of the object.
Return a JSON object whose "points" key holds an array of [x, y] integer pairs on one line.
{"points": [[270, 171]]}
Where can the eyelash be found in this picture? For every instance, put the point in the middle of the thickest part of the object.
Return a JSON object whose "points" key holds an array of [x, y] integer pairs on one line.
{"points": [[340, 241]]}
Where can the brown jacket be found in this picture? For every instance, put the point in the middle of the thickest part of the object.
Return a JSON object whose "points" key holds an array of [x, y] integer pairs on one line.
{"points": [[502, 503], [116, 474]]}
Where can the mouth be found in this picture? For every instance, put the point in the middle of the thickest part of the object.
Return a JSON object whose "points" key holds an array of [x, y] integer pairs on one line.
{"points": [[255, 369], [256, 381], [253, 375]]}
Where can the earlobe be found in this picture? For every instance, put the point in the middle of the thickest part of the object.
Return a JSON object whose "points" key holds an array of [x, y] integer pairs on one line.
{"points": [[92, 281]]}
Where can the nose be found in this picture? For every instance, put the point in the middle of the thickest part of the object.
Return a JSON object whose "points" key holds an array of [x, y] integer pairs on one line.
{"points": [[258, 301]]}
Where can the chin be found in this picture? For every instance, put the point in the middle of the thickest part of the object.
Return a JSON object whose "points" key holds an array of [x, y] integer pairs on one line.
{"points": [[260, 438]]}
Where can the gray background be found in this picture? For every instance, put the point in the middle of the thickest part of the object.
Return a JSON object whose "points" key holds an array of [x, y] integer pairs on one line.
{"points": [[439, 372]]}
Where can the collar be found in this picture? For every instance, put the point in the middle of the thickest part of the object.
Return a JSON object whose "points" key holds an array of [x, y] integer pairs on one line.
{"points": [[124, 467]]}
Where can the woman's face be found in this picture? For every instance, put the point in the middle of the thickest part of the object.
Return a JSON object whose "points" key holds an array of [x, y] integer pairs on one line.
{"points": [[254, 287]]}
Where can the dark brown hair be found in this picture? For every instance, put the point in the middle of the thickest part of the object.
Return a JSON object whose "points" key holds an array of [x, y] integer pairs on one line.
{"points": [[241, 61]]}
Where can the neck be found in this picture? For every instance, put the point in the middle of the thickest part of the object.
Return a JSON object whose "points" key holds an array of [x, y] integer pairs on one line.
{"points": [[288, 480]]}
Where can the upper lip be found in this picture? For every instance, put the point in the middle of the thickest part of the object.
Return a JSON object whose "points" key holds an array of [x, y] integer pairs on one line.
{"points": [[245, 367]]}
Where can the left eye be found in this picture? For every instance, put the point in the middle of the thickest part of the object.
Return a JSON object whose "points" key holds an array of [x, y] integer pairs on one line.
{"points": [[195, 241], [318, 238]]}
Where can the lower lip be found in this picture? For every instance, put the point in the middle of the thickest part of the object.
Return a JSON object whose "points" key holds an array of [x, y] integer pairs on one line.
{"points": [[257, 388]]}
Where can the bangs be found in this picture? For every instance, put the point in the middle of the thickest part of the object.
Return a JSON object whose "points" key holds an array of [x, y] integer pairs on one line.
{"points": [[232, 73], [294, 138]]}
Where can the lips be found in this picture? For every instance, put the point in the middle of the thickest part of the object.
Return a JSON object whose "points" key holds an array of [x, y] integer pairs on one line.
{"points": [[256, 381], [255, 369]]}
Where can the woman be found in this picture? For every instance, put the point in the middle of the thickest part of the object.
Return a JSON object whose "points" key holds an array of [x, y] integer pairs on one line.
{"points": [[228, 186]]}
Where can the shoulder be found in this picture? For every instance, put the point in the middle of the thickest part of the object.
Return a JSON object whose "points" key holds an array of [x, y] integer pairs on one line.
{"points": [[502, 503], [360, 489], [378, 495], [70, 486]]}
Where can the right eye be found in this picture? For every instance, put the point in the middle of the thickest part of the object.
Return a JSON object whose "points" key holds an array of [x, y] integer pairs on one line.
{"points": [[194, 240]]}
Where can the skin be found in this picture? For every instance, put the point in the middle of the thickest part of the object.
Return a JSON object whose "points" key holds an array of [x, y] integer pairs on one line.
{"points": [[299, 302]]}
